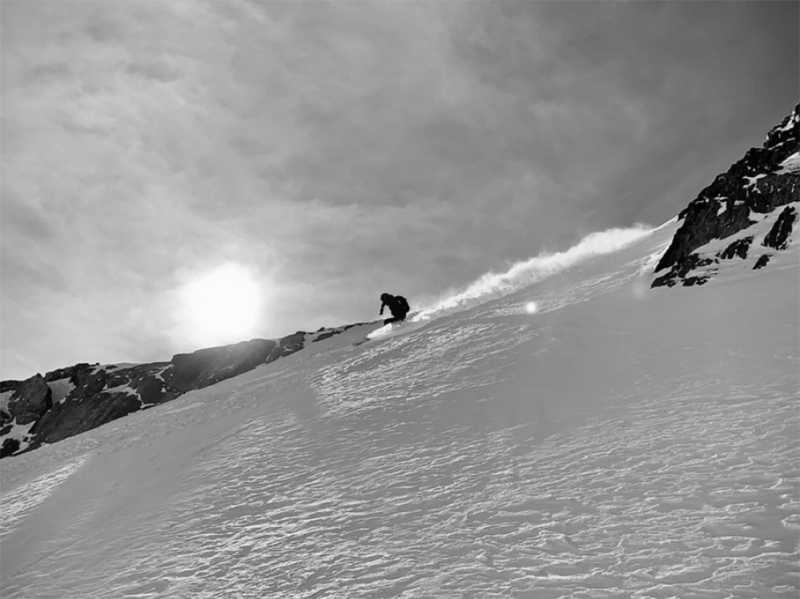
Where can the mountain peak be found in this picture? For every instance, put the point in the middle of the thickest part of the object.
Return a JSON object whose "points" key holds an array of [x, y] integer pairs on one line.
{"points": [[785, 133], [753, 189]]}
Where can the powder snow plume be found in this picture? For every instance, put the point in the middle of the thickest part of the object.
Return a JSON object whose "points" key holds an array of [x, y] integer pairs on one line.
{"points": [[526, 272]]}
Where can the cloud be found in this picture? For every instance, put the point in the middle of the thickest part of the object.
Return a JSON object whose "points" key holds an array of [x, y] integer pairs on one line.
{"points": [[156, 70]]}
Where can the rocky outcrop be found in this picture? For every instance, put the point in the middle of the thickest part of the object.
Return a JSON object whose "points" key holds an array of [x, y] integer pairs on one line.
{"points": [[100, 394], [211, 365], [762, 261], [9, 447], [73, 417], [91, 395], [288, 345], [737, 248], [778, 236], [756, 185], [30, 401], [6, 386], [682, 270]]}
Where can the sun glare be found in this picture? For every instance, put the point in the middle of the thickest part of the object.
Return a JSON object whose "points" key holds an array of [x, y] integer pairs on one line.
{"points": [[222, 305]]}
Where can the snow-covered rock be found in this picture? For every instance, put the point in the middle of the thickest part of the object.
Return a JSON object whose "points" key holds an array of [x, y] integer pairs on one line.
{"points": [[750, 248], [23, 407], [30, 400], [764, 180], [84, 396], [779, 235]]}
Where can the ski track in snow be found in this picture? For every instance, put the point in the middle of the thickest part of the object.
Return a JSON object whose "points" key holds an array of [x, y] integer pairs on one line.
{"points": [[21, 501], [435, 464]]}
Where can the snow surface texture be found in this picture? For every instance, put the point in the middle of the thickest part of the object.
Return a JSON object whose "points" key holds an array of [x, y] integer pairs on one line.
{"points": [[615, 441]]}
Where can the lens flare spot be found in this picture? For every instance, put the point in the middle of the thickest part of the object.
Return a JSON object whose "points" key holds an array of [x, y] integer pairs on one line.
{"points": [[531, 307], [640, 289]]}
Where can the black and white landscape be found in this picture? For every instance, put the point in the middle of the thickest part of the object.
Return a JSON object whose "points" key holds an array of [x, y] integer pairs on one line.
{"points": [[562, 429], [616, 417]]}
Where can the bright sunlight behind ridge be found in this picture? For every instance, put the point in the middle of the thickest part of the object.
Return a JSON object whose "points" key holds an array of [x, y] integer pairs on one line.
{"points": [[221, 305]]}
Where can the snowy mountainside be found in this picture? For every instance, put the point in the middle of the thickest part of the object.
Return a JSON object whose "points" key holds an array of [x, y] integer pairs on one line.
{"points": [[581, 435], [765, 180]]}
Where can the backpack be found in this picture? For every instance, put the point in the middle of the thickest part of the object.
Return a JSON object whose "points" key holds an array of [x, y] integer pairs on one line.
{"points": [[402, 303]]}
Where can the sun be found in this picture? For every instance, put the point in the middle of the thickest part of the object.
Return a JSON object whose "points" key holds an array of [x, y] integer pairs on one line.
{"points": [[222, 305]]}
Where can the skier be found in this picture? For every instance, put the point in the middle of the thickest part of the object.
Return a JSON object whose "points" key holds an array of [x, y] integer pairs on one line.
{"points": [[398, 306]]}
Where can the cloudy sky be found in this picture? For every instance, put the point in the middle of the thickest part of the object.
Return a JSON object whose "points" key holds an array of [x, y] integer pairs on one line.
{"points": [[337, 150]]}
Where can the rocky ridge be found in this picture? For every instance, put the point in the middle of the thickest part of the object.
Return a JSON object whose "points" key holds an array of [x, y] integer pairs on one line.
{"points": [[752, 205], [68, 401]]}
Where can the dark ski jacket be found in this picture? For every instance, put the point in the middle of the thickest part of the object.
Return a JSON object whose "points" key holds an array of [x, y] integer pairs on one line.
{"points": [[397, 304]]}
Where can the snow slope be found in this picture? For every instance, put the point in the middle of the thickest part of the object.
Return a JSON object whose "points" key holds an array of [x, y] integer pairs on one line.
{"points": [[616, 441]]}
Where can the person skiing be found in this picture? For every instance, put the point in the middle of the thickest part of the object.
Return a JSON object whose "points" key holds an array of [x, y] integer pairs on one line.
{"points": [[398, 306]]}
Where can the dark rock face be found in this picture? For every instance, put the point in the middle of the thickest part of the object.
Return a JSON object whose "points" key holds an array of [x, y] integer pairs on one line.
{"points": [[73, 417], [737, 248], [778, 236], [762, 261], [87, 380], [697, 280], [288, 345], [153, 391], [9, 447], [31, 400], [754, 184], [9, 386], [701, 225], [101, 394], [682, 270], [211, 365]]}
